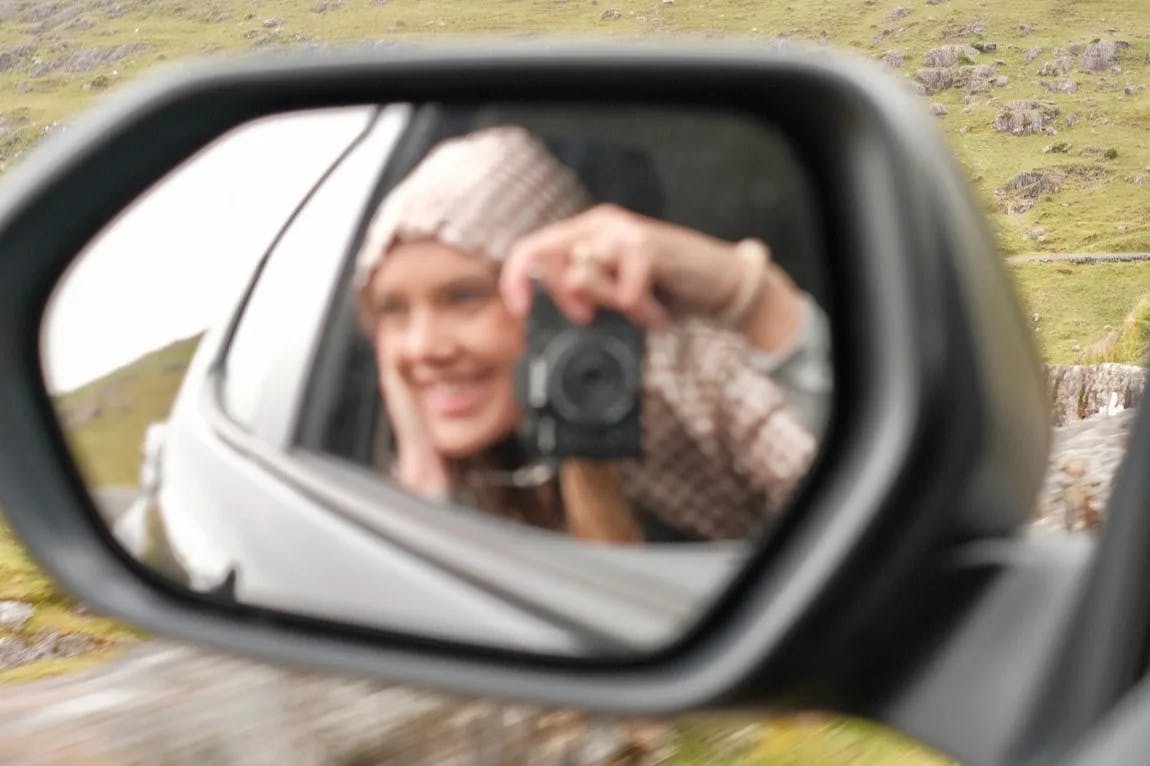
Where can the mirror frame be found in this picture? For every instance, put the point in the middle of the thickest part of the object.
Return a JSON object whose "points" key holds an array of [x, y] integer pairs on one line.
{"points": [[918, 458]]}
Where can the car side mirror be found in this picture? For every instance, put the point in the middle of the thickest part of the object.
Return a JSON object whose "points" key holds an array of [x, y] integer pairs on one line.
{"points": [[930, 428]]}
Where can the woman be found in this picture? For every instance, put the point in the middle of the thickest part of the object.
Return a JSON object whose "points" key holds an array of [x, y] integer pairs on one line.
{"points": [[444, 287]]}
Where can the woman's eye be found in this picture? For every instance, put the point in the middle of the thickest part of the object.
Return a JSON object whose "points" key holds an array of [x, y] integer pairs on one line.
{"points": [[468, 296], [390, 310]]}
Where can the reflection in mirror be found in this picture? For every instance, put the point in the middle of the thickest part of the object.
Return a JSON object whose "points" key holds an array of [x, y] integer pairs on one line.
{"points": [[535, 377]]}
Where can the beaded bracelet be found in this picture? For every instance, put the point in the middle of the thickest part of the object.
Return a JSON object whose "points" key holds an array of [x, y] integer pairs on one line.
{"points": [[755, 256]]}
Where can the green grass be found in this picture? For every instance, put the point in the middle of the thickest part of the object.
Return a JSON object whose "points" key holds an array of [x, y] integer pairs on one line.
{"points": [[1129, 342], [1079, 304], [22, 580], [107, 444]]}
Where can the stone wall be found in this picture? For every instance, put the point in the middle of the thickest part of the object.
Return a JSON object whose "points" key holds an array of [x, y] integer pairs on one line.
{"points": [[1093, 409], [1080, 391]]}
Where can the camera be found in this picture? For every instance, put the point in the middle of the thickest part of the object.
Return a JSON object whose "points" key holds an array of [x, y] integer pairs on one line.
{"points": [[580, 386]]}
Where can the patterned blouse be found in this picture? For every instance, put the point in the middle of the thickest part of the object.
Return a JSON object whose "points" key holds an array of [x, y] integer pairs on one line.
{"points": [[723, 448]]}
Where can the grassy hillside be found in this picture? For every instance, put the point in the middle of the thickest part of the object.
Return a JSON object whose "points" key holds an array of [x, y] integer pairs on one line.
{"points": [[106, 419], [1090, 165], [61, 54], [104, 422]]}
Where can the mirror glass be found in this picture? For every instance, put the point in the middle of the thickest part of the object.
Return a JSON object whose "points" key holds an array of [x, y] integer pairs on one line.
{"points": [[530, 376]]}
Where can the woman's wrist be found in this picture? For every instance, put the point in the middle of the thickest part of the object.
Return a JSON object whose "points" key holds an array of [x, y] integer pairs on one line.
{"points": [[773, 320], [753, 258]]}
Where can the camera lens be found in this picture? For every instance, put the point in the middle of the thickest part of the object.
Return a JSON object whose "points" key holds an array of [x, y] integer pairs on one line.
{"points": [[594, 381]]}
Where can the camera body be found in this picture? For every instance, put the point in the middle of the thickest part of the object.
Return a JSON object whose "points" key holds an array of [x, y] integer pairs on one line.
{"points": [[580, 387]]}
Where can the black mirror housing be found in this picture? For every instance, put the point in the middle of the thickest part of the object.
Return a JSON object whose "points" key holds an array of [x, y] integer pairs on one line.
{"points": [[939, 437]]}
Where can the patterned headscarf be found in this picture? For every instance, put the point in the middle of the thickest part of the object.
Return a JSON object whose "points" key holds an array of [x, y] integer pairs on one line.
{"points": [[479, 193]]}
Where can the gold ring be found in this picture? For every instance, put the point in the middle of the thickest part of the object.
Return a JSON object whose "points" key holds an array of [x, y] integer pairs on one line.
{"points": [[584, 254]]}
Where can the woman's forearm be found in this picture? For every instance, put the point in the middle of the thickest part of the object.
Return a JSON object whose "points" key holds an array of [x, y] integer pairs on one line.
{"points": [[774, 318]]}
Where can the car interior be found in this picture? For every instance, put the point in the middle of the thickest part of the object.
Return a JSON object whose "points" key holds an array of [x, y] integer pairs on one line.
{"points": [[645, 159]]}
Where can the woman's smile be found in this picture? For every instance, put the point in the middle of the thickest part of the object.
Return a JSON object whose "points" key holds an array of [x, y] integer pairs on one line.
{"points": [[455, 397]]}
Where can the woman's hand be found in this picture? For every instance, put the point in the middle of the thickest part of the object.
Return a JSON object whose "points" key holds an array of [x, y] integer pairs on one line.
{"points": [[593, 503], [639, 266], [419, 466]]}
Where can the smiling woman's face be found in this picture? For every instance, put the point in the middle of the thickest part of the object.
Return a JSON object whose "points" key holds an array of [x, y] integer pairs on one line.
{"points": [[441, 323]]}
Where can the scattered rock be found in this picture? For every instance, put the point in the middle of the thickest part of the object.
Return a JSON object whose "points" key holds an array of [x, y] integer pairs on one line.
{"points": [[1099, 56], [1056, 67], [273, 23], [1130, 90], [977, 79], [938, 109], [970, 29], [893, 59], [1025, 117], [1001, 81], [48, 16], [609, 14], [40, 67], [982, 47], [1138, 180], [935, 2], [1071, 120], [87, 59], [900, 13], [1059, 86], [323, 6], [949, 55], [1031, 55], [934, 79], [1023, 190], [13, 614], [78, 24], [101, 82], [1037, 233], [1026, 28], [1062, 147], [10, 58]]}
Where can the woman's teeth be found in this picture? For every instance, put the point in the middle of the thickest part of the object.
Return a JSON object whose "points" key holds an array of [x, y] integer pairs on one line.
{"points": [[454, 397]]}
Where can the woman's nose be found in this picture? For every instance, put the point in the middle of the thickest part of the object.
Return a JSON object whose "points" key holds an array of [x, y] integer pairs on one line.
{"points": [[427, 338]]}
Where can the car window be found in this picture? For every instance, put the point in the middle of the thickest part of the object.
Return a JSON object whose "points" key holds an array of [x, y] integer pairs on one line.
{"points": [[268, 349]]}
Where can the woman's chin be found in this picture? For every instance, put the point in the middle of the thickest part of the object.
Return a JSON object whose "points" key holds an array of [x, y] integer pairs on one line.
{"points": [[459, 443]]}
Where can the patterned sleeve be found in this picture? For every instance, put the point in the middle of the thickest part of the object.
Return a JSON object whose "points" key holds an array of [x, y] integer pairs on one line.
{"points": [[706, 378]]}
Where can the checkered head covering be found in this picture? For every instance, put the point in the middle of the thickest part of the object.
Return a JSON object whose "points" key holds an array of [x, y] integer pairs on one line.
{"points": [[479, 193]]}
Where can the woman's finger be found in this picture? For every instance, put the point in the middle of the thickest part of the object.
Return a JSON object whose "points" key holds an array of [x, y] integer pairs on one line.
{"points": [[539, 256], [585, 287]]}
